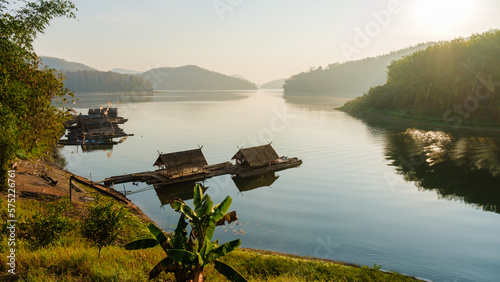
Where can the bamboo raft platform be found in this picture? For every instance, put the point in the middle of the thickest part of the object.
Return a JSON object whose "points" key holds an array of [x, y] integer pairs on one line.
{"points": [[208, 171], [99, 127]]}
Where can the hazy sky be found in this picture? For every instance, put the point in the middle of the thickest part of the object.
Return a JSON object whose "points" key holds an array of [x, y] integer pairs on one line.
{"points": [[261, 40]]}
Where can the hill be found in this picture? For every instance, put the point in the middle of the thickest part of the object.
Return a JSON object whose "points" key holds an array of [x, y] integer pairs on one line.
{"points": [[239, 76], [63, 65], [194, 78], [98, 81], [125, 71], [349, 79], [275, 84], [453, 82]]}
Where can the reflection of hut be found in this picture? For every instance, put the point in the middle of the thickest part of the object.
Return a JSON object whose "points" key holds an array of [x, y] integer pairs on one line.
{"points": [[184, 191], [254, 182], [100, 127], [255, 157], [98, 147], [179, 162]]}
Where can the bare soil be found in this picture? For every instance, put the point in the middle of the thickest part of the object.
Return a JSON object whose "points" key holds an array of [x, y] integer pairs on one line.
{"points": [[44, 181]]}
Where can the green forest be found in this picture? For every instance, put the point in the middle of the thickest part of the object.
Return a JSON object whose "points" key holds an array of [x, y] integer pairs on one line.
{"points": [[454, 81], [98, 81], [347, 79]]}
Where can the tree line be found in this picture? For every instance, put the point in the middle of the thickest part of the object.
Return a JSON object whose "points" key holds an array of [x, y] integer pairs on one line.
{"points": [[98, 81], [455, 80]]}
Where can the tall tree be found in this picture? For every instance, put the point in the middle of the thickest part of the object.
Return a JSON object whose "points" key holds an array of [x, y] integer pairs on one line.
{"points": [[29, 124]]}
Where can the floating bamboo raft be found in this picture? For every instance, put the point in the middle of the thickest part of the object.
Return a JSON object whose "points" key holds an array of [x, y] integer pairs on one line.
{"points": [[208, 171], [99, 127]]}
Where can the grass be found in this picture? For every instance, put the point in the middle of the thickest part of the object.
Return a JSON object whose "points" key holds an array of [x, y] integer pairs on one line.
{"points": [[72, 258]]}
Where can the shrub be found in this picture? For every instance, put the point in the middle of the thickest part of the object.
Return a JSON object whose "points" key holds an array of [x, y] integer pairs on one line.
{"points": [[45, 228], [103, 224]]}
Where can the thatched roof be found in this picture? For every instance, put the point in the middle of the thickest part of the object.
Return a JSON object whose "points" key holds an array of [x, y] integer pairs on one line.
{"points": [[109, 112], [177, 162], [258, 156]]}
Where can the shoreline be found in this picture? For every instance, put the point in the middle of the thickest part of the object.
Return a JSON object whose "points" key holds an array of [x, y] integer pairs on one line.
{"points": [[32, 175], [435, 124]]}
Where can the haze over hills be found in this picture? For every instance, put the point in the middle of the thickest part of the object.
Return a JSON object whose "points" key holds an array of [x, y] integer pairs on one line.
{"points": [[349, 79], [99, 81], [63, 65], [125, 71], [239, 76], [275, 84], [82, 78], [194, 78]]}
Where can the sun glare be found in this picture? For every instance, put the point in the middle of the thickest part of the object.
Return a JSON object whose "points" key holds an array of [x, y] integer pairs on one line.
{"points": [[442, 14]]}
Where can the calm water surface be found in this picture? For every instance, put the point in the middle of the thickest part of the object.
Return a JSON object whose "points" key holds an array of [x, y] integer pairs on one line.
{"points": [[421, 202]]}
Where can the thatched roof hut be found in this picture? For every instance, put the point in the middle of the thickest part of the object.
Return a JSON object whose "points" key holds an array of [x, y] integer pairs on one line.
{"points": [[255, 157], [179, 161]]}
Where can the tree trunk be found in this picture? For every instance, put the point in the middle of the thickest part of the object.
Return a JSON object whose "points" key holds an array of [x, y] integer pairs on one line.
{"points": [[198, 275]]}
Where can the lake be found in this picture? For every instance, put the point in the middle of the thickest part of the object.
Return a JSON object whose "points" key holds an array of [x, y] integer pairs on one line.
{"points": [[423, 202]]}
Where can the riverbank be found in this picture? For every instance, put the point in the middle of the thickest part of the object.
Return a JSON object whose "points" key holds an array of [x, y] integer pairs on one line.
{"points": [[72, 258], [402, 119]]}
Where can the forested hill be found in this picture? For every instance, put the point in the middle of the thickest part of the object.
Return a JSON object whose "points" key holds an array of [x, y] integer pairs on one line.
{"points": [[194, 78], [98, 81], [63, 65], [350, 79], [456, 81], [82, 78], [275, 84]]}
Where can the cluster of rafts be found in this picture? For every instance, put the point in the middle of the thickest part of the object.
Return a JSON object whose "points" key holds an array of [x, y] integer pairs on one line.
{"points": [[98, 128]]}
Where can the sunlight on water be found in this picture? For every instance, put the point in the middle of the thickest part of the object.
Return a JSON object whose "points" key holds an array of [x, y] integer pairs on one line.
{"points": [[423, 203]]}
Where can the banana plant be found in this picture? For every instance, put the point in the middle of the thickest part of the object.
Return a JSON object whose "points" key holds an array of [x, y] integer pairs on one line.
{"points": [[188, 254]]}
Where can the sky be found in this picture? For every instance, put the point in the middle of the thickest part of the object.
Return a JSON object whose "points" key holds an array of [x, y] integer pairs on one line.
{"points": [[261, 40]]}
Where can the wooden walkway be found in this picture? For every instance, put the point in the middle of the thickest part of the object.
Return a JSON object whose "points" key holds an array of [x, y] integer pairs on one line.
{"points": [[208, 171], [106, 190]]}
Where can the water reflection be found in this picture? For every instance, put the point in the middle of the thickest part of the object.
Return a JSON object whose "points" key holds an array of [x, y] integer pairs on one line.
{"points": [[90, 100], [315, 102], [94, 148], [184, 191], [464, 168], [254, 182]]}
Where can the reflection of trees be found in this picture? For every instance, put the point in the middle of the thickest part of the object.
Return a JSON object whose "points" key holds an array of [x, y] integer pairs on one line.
{"points": [[315, 102], [462, 168], [92, 100]]}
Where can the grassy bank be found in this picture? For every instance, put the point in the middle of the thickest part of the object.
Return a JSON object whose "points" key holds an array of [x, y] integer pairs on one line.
{"points": [[72, 258]]}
